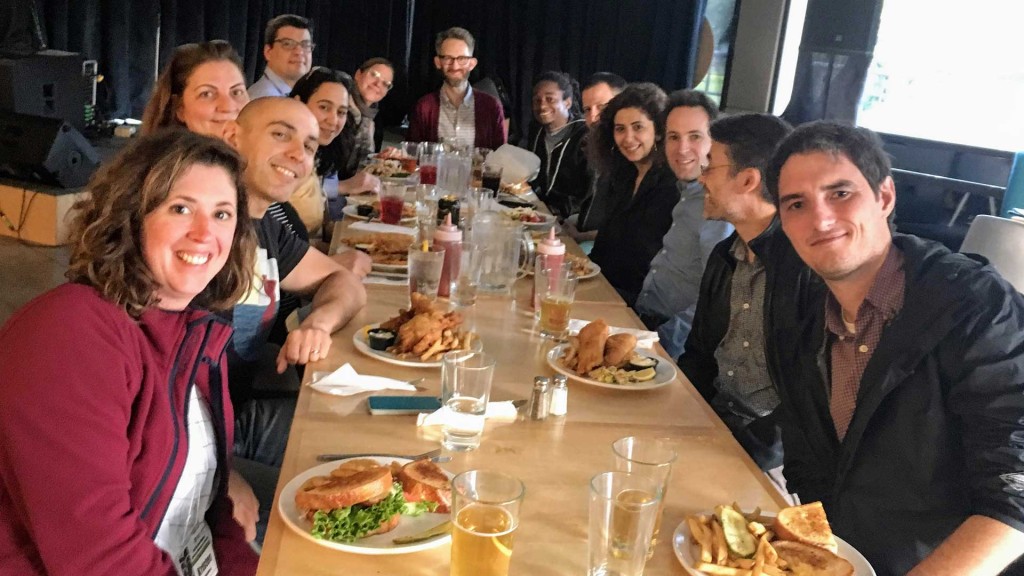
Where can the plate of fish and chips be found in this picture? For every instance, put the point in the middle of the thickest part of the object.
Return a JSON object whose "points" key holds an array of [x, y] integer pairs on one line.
{"points": [[417, 337], [596, 357]]}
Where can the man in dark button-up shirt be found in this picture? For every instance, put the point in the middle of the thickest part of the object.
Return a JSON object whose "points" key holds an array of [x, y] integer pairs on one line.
{"points": [[902, 387]]}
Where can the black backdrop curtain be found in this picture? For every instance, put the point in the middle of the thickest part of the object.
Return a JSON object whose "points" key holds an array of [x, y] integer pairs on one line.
{"points": [[654, 40]]}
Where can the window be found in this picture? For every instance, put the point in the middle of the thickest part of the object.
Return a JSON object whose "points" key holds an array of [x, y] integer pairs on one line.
{"points": [[956, 76], [720, 14]]}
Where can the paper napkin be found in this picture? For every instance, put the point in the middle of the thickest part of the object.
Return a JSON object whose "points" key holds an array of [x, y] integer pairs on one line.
{"points": [[495, 411], [345, 382]]}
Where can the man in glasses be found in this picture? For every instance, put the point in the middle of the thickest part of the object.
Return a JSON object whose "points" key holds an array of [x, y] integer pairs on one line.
{"points": [[288, 50], [457, 113]]}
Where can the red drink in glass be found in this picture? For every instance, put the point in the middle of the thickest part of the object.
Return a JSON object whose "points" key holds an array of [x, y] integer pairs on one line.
{"points": [[391, 209], [428, 174]]}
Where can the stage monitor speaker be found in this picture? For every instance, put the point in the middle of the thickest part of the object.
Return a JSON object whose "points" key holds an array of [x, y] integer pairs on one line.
{"points": [[49, 83], [841, 25], [46, 150]]}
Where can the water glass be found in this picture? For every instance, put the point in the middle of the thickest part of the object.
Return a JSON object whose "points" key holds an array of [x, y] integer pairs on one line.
{"points": [[466, 279], [453, 171], [465, 389], [485, 512], [426, 211], [475, 201], [623, 509], [554, 289], [392, 202], [425, 271], [651, 458]]}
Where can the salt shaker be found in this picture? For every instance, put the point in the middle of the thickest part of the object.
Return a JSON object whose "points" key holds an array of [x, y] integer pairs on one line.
{"points": [[539, 401], [559, 397]]}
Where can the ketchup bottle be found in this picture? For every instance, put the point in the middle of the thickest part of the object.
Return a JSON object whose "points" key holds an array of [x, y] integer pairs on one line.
{"points": [[550, 254], [449, 237]]}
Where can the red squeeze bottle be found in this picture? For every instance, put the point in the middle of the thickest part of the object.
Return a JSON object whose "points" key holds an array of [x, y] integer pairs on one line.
{"points": [[449, 237], [550, 254]]}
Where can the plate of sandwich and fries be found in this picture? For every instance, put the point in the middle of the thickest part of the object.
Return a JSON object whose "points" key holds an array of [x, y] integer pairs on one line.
{"points": [[370, 505], [417, 337], [596, 357], [795, 542]]}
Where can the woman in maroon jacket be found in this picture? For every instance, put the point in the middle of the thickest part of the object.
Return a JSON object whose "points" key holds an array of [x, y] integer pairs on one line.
{"points": [[115, 420]]}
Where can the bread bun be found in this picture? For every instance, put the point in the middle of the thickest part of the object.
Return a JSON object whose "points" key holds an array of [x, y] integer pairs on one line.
{"points": [[424, 481], [807, 524], [806, 560], [330, 492]]}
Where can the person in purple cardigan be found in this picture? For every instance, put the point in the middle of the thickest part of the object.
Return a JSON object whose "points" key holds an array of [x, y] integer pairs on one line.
{"points": [[456, 112]]}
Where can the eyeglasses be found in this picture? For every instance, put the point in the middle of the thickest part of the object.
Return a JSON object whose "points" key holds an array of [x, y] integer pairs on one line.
{"points": [[460, 60], [705, 169], [378, 76], [289, 44]]}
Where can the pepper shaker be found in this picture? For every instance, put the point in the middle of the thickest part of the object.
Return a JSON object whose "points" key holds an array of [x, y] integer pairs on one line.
{"points": [[539, 401]]}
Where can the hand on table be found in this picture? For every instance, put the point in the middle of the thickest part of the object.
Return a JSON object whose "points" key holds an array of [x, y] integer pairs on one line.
{"points": [[355, 260], [303, 345], [246, 506], [360, 183]]}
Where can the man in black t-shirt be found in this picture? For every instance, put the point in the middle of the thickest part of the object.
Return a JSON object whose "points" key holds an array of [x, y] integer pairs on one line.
{"points": [[278, 139]]}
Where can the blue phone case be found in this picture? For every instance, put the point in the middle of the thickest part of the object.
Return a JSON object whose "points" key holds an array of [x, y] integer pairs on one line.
{"points": [[402, 404]]}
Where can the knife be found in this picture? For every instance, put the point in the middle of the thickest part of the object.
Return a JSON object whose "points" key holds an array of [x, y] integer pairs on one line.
{"points": [[434, 455]]}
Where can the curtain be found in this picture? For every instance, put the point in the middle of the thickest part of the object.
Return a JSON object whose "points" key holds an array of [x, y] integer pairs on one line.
{"points": [[655, 40]]}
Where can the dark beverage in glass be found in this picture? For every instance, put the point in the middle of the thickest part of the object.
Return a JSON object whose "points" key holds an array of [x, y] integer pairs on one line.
{"points": [[492, 181], [428, 174]]}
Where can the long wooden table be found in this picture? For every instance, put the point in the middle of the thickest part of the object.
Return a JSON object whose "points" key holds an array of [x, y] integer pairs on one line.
{"points": [[555, 458]]}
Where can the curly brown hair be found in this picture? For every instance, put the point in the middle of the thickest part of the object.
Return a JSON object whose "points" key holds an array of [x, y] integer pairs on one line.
{"points": [[163, 102], [107, 227], [649, 99]]}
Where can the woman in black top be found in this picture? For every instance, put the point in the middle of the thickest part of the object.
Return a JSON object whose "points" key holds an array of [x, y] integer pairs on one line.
{"points": [[558, 140], [626, 146]]}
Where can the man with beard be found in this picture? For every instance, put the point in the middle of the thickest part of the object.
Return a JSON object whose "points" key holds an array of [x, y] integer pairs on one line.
{"points": [[457, 113]]}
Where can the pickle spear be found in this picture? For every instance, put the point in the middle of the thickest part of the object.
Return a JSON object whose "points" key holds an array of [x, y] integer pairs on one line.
{"points": [[442, 528]]}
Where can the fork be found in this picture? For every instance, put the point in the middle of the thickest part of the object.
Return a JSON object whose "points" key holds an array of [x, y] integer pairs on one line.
{"points": [[434, 455]]}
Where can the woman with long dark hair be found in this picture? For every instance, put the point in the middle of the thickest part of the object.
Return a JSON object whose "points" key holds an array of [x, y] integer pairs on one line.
{"points": [[625, 144]]}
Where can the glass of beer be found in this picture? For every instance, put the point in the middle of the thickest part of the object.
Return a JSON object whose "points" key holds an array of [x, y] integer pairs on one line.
{"points": [[623, 509], [650, 458], [485, 512], [554, 289]]}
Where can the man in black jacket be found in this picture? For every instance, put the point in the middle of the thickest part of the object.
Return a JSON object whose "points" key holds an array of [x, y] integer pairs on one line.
{"points": [[902, 386], [724, 356]]}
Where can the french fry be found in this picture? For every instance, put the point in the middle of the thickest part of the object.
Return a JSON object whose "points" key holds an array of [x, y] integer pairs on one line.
{"points": [[756, 528], [717, 570], [720, 548], [701, 537], [758, 568], [745, 563], [771, 556], [770, 570], [434, 349]]}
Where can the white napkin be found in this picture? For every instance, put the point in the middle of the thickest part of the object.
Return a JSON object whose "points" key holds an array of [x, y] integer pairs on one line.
{"points": [[381, 227], [495, 411], [345, 382], [644, 338]]}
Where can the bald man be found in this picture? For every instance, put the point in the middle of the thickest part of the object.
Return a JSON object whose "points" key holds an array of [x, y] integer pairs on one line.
{"points": [[278, 139]]}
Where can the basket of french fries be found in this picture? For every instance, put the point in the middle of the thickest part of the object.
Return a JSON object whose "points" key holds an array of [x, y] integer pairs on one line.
{"points": [[796, 542], [417, 336]]}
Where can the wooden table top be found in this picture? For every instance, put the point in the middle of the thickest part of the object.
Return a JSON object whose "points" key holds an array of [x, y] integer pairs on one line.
{"points": [[555, 458]]}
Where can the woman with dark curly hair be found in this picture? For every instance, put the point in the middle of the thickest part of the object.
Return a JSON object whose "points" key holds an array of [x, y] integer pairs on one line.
{"points": [[557, 139], [114, 410], [201, 88], [625, 144]]}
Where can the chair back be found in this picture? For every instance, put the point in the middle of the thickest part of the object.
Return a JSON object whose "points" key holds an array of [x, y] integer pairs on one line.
{"points": [[1001, 241]]}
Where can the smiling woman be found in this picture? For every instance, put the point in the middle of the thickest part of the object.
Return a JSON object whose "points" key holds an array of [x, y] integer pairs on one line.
{"points": [[132, 440], [201, 88]]}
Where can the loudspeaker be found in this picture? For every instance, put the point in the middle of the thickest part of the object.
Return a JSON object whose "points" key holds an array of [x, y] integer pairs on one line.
{"points": [[841, 25], [48, 84], [46, 150]]}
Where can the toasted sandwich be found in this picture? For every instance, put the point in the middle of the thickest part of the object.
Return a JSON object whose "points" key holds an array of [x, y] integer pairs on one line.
{"points": [[424, 481], [807, 524], [806, 560], [348, 507]]}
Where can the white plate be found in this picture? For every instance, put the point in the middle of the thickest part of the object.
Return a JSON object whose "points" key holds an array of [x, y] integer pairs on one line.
{"points": [[350, 210], [359, 339], [548, 220], [595, 270], [375, 545], [665, 373], [684, 553]]}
